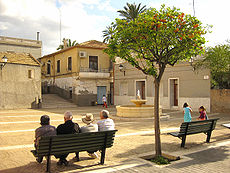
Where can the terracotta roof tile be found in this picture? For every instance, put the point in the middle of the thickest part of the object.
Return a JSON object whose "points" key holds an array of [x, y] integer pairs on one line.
{"points": [[19, 58], [93, 44]]}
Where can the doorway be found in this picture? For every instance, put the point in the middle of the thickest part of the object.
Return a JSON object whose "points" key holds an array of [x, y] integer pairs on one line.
{"points": [[101, 90], [140, 86], [173, 92]]}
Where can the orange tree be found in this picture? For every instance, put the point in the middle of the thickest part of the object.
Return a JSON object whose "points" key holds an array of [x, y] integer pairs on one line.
{"points": [[155, 39]]}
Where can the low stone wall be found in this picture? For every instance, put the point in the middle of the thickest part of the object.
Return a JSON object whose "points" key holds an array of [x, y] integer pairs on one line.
{"points": [[220, 100]]}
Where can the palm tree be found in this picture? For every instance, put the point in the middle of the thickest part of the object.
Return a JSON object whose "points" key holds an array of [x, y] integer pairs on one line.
{"points": [[108, 33], [131, 11], [69, 43]]}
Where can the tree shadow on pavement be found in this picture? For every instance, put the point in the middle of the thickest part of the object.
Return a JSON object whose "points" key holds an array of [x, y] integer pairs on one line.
{"points": [[34, 167], [205, 156]]}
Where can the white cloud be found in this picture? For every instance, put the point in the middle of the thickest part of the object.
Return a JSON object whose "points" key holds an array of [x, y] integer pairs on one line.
{"points": [[44, 16]]}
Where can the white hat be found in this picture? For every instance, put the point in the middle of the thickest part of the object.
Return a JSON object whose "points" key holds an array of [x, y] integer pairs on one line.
{"points": [[88, 118]]}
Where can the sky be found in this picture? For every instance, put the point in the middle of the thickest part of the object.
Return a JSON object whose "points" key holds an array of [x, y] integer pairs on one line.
{"points": [[84, 20]]}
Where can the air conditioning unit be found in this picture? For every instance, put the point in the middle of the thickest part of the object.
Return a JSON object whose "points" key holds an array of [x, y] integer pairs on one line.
{"points": [[82, 54]]}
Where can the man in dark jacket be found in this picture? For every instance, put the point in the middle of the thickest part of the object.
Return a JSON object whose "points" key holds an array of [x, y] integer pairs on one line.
{"points": [[69, 127], [45, 130]]}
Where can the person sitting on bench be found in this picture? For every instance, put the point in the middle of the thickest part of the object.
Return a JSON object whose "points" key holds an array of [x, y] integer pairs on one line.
{"points": [[69, 127], [89, 127], [45, 130], [105, 123]]}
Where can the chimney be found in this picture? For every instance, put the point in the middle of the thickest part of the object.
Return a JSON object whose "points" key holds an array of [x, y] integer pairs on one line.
{"points": [[38, 34]]}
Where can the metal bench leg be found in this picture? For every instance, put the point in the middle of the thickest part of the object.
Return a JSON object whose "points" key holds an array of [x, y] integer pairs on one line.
{"points": [[183, 141], [103, 156], [208, 136], [48, 164]]}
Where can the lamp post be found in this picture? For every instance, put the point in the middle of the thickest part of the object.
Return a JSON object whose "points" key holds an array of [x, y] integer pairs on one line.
{"points": [[4, 61], [122, 68], [191, 63]]}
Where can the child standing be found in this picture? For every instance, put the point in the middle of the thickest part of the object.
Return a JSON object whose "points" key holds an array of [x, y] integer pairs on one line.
{"points": [[203, 114], [187, 113], [104, 100]]}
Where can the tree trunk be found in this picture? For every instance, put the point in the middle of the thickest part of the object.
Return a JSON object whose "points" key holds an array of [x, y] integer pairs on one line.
{"points": [[157, 118]]}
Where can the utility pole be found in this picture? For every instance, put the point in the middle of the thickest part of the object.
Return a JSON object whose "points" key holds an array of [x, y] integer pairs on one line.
{"points": [[193, 4], [60, 24]]}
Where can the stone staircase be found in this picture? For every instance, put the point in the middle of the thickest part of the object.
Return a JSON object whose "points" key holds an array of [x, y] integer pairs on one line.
{"points": [[52, 101]]}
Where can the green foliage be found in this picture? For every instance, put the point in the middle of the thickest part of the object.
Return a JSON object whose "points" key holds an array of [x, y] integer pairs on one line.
{"points": [[131, 11], [156, 39], [217, 59], [160, 160], [69, 43]]}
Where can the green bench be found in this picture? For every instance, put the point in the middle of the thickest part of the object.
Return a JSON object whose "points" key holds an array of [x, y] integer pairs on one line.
{"points": [[195, 127], [62, 144]]}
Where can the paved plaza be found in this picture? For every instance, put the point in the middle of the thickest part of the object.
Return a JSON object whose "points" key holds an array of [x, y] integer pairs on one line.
{"points": [[134, 139]]}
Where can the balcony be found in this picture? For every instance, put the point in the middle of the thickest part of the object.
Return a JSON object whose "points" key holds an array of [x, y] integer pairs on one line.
{"points": [[92, 73]]}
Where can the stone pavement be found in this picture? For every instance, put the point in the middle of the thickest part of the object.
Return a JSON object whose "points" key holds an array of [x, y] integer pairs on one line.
{"points": [[135, 137]]}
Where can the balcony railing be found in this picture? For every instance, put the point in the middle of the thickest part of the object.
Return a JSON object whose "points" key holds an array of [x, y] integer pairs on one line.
{"points": [[101, 70]]}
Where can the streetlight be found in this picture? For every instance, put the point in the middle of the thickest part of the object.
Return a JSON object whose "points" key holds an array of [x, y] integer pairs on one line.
{"points": [[121, 68], [3, 62]]}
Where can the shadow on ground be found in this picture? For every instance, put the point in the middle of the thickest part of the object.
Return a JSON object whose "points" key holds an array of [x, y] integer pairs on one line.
{"points": [[203, 157]]}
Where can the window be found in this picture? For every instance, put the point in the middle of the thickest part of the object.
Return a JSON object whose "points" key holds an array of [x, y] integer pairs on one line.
{"points": [[58, 66], [93, 63], [70, 63], [123, 89], [30, 74], [48, 67]]}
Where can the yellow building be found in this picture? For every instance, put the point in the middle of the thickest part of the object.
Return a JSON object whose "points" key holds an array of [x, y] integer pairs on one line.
{"points": [[82, 73]]}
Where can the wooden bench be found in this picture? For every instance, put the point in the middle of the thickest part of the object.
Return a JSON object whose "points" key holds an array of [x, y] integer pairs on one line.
{"points": [[194, 127], [226, 125], [62, 144]]}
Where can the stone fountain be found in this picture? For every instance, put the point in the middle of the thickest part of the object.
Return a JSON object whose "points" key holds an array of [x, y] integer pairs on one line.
{"points": [[139, 110]]}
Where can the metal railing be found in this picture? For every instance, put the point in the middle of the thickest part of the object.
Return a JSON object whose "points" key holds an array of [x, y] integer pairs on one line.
{"points": [[101, 70]]}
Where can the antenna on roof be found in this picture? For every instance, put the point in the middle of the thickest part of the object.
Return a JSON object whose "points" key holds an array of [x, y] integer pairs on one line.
{"points": [[193, 4]]}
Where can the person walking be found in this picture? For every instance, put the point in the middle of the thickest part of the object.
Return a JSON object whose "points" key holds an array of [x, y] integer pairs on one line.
{"points": [[187, 111], [104, 100]]}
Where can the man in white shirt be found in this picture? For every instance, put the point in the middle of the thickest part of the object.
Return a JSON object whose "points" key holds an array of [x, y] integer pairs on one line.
{"points": [[105, 123]]}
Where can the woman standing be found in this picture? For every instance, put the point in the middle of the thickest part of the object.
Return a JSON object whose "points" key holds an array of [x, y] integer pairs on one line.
{"points": [[187, 113]]}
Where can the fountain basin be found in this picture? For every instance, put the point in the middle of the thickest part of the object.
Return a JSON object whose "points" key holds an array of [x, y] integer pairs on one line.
{"points": [[145, 111], [139, 103]]}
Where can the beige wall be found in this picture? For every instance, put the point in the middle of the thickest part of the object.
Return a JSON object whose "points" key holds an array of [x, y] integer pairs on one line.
{"points": [[220, 100], [193, 87], [18, 45], [16, 89]]}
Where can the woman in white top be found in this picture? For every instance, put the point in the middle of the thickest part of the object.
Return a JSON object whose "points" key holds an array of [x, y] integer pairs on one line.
{"points": [[89, 127]]}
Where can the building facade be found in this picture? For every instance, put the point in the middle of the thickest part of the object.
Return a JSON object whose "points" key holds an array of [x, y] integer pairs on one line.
{"points": [[19, 45], [81, 73], [20, 81], [179, 84]]}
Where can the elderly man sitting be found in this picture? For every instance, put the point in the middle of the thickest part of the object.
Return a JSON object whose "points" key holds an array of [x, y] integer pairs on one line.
{"points": [[69, 127], [45, 130], [105, 123]]}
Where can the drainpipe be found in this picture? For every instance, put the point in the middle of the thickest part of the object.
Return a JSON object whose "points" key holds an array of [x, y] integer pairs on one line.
{"points": [[113, 83]]}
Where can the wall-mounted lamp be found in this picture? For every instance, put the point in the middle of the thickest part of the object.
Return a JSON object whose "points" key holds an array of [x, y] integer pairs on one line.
{"points": [[2, 64], [191, 63], [122, 68]]}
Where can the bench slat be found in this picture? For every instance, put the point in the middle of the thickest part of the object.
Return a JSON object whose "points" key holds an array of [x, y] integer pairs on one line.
{"points": [[72, 149], [73, 140], [60, 145]]}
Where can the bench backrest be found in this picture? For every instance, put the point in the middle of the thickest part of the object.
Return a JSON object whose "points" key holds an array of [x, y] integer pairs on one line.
{"points": [[53, 145], [197, 126]]}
